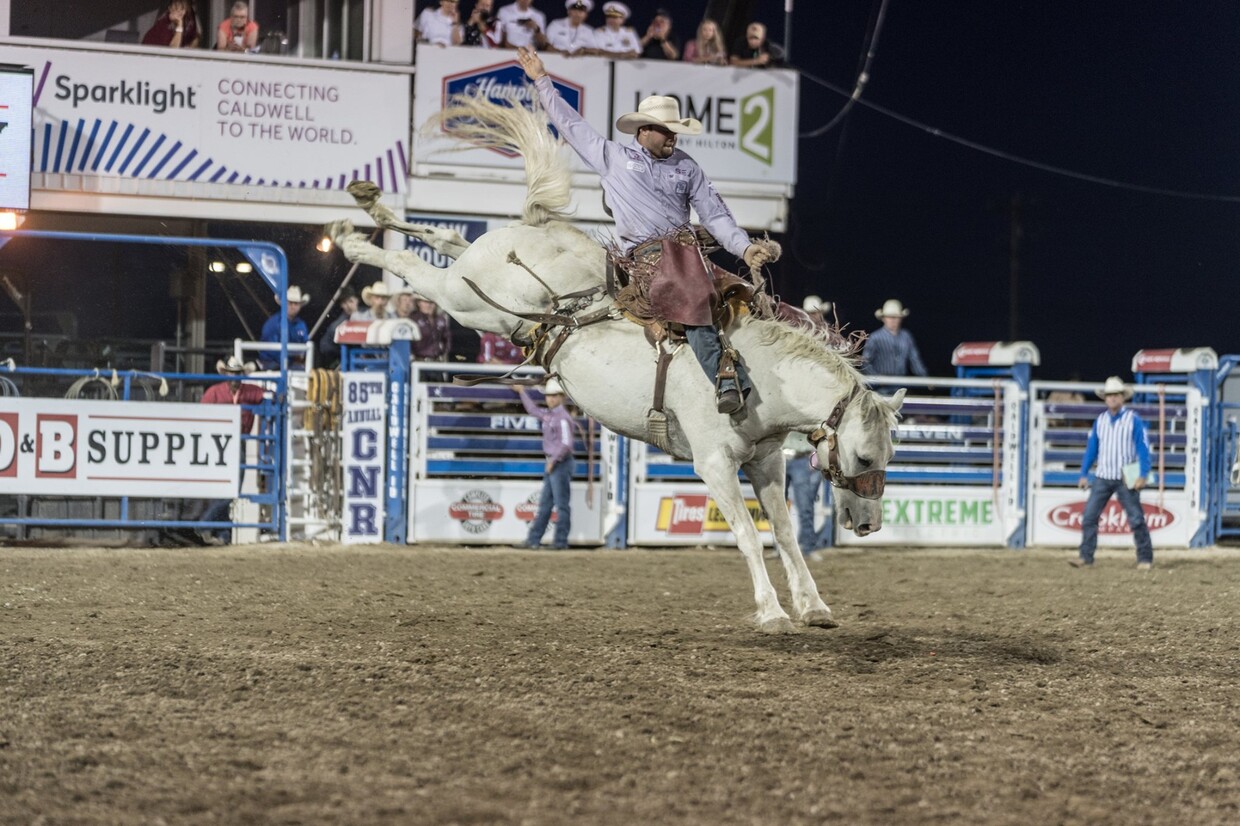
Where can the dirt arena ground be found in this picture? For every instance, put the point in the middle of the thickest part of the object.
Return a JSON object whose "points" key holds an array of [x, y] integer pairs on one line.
{"points": [[393, 685]]}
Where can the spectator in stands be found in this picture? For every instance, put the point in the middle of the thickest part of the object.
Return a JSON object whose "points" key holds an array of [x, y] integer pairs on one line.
{"points": [[232, 391], [557, 430], [638, 180], [298, 332], [755, 51], [1120, 444], [805, 481], [614, 39], [480, 29], [176, 28], [819, 311], [402, 303], [520, 23], [707, 48], [658, 43], [328, 348], [570, 35], [436, 332], [441, 26], [890, 351], [375, 297], [238, 33], [495, 349]]}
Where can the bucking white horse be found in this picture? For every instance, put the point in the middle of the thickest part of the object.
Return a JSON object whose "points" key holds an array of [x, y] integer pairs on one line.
{"points": [[608, 368]]}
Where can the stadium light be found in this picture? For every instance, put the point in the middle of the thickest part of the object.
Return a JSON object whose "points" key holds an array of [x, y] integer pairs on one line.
{"points": [[10, 220], [244, 267], [217, 266], [324, 245]]}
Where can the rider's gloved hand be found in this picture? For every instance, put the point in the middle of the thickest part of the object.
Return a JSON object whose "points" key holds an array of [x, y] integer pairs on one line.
{"points": [[757, 256]]}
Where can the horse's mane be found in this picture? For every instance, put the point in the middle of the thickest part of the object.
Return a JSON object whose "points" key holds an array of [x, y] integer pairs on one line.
{"points": [[476, 121]]}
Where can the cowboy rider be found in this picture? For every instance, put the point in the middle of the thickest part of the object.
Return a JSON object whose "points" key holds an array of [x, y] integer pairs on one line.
{"points": [[649, 185]]}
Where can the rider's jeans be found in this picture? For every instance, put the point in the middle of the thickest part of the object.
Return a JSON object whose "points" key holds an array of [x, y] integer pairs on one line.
{"points": [[704, 341]]}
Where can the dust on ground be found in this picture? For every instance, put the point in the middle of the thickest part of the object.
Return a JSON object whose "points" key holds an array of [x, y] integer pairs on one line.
{"points": [[298, 684]]}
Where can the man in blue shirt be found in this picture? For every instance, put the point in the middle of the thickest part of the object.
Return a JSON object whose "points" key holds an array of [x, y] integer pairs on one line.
{"points": [[890, 351], [298, 332], [1119, 444]]}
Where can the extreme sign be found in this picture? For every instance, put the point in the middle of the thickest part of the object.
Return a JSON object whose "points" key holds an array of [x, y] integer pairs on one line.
{"points": [[101, 448]]}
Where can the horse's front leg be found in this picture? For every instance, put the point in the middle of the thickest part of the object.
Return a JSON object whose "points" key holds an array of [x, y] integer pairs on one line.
{"points": [[766, 473], [719, 474]]}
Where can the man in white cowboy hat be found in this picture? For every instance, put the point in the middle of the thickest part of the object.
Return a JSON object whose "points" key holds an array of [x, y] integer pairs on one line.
{"points": [[571, 35], [231, 391], [1119, 444], [649, 185], [298, 332], [375, 297], [613, 38], [557, 433], [889, 350]]}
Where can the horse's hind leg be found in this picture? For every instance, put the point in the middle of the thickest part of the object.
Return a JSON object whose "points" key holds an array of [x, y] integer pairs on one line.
{"points": [[766, 473], [719, 474]]}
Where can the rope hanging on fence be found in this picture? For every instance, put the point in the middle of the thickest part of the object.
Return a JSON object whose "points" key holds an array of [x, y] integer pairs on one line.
{"points": [[1162, 428]]}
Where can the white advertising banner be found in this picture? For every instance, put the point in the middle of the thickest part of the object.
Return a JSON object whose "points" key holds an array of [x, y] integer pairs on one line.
{"points": [[749, 116], [684, 513], [1056, 516], [16, 95], [104, 448], [494, 511], [584, 82], [926, 515], [240, 121], [363, 435]]}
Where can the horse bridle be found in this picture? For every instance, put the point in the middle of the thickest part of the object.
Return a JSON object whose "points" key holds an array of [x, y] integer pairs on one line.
{"points": [[867, 485]]}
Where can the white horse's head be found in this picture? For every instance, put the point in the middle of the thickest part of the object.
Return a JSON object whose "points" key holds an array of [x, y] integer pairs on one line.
{"points": [[852, 449]]}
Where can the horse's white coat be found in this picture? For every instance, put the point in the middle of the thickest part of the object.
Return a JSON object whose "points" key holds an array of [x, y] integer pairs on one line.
{"points": [[609, 370]]}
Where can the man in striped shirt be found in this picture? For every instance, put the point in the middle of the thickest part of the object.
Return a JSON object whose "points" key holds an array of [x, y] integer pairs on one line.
{"points": [[1118, 440], [557, 440], [890, 351]]}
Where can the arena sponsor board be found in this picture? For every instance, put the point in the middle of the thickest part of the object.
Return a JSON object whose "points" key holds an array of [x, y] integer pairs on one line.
{"points": [[493, 511], [364, 463], [1058, 515], [111, 448], [749, 118], [685, 514], [584, 82], [936, 516], [16, 95], [242, 122]]}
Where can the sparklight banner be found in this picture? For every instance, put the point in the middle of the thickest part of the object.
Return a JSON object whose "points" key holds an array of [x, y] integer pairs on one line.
{"points": [[99, 448], [235, 121], [749, 117], [364, 449], [16, 92]]}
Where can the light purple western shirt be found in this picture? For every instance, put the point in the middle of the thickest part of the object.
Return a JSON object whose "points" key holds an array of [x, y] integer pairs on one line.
{"points": [[649, 198]]}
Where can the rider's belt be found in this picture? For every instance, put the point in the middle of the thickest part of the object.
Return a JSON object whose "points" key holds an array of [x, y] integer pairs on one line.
{"points": [[652, 249]]}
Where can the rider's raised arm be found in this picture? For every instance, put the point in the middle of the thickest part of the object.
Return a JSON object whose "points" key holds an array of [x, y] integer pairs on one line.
{"points": [[589, 144], [714, 214]]}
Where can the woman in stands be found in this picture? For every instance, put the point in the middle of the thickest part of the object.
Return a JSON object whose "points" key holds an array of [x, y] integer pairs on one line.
{"points": [[176, 28], [707, 48]]}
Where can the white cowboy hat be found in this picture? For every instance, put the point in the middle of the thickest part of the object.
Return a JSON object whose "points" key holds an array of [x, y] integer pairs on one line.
{"points": [[658, 110], [814, 304], [406, 290], [377, 289], [1114, 384], [296, 296], [589, 4], [615, 8], [553, 388], [234, 366], [891, 307]]}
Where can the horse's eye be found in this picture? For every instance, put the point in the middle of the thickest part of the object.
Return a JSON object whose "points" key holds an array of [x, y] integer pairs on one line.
{"points": [[864, 462]]}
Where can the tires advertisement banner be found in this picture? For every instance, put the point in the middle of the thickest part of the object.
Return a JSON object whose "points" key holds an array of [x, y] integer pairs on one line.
{"points": [[495, 511], [684, 513], [196, 119], [70, 447]]}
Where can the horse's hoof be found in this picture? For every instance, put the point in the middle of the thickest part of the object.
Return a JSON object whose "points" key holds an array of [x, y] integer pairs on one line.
{"points": [[777, 625], [819, 619]]}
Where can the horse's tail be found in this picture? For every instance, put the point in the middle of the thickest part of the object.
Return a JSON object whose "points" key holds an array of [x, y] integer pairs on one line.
{"points": [[477, 121]]}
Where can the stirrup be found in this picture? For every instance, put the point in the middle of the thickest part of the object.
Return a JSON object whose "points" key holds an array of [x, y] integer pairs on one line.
{"points": [[730, 401]]}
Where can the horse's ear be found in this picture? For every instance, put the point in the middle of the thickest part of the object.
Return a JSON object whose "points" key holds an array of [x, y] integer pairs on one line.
{"points": [[895, 400]]}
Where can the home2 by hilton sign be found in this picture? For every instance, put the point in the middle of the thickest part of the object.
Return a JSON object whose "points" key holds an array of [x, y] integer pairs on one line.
{"points": [[77, 448]]}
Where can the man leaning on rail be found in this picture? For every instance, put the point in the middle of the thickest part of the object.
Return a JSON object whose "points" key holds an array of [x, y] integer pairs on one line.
{"points": [[649, 185]]}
